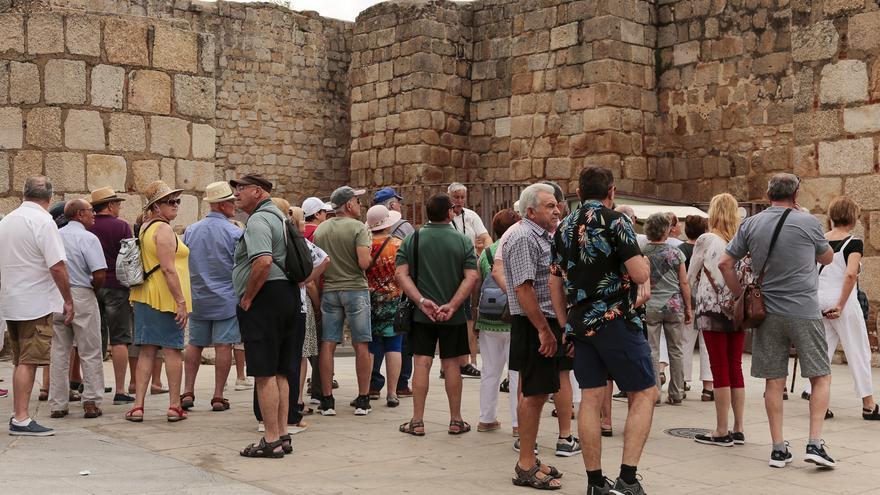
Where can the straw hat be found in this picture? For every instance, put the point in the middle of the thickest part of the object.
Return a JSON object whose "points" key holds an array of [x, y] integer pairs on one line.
{"points": [[156, 191], [104, 195], [218, 192]]}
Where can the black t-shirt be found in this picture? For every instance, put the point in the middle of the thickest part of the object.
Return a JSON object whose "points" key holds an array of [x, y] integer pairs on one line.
{"points": [[688, 250], [854, 246]]}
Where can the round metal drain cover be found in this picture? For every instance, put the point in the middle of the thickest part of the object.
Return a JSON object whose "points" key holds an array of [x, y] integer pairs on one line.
{"points": [[686, 432]]}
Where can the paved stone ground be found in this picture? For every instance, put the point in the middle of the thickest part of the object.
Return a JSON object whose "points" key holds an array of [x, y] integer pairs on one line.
{"points": [[345, 453]]}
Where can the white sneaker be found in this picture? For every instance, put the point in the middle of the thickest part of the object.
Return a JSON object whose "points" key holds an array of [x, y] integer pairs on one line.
{"points": [[294, 429], [261, 428], [244, 384]]}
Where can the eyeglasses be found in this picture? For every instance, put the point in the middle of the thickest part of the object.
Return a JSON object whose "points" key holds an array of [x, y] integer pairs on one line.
{"points": [[242, 187], [171, 202], [86, 209]]}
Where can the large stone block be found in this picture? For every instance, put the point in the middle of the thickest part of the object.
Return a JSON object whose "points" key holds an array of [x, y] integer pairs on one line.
{"points": [[131, 207], [188, 212], [167, 170], [169, 137], [862, 119], [25, 164], [106, 170], [12, 32], [44, 127], [206, 52], [65, 82], [108, 86], [602, 118], [564, 36], [815, 194], [45, 33], [11, 131], [815, 42], [84, 35], [149, 91], [67, 171], [818, 125], [4, 172], [175, 49], [125, 42], [844, 82], [686, 53], [143, 172], [849, 156], [203, 141], [24, 83], [84, 130], [194, 176], [869, 280], [558, 168], [833, 7], [127, 132], [4, 82], [864, 31], [863, 190], [194, 96]]}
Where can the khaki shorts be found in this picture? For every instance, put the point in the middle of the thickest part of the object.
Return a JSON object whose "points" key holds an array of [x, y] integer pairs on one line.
{"points": [[31, 340]]}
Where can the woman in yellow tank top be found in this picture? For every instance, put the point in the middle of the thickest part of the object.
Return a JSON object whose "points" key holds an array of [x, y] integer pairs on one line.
{"points": [[162, 303]]}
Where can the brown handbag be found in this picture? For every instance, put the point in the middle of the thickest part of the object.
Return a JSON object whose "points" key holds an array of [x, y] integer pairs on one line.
{"points": [[749, 309]]}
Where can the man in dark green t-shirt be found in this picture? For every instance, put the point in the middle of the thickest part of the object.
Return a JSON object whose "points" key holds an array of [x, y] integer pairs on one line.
{"points": [[445, 273]]}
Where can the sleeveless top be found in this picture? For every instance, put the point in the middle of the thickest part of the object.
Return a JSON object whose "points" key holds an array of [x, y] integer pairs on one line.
{"points": [[154, 292], [831, 282]]}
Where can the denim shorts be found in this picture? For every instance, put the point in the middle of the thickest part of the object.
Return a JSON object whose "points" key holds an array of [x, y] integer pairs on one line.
{"points": [[154, 327], [351, 305], [380, 345], [205, 333]]}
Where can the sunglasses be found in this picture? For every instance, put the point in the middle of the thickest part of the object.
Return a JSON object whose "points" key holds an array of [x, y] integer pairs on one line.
{"points": [[171, 202]]}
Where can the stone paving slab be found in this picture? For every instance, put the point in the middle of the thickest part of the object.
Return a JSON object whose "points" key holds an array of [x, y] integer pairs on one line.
{"points": [[366, 455]]}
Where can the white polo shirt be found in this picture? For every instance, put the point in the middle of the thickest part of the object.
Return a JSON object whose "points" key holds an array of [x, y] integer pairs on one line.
{"points": [[31, 246], [470, 224]]}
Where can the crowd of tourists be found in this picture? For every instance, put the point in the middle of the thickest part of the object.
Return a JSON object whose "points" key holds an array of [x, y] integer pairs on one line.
{"points": [[569, 303]]}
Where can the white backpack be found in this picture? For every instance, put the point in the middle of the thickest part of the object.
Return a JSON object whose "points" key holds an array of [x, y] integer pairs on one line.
{"points": [[129, 263]]}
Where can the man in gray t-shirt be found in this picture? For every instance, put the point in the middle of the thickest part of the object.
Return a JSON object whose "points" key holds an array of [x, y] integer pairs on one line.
{"points": [[793, 317]]}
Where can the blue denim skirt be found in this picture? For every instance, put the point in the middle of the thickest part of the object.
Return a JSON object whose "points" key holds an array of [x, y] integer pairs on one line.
{"points": [[154, 327]]}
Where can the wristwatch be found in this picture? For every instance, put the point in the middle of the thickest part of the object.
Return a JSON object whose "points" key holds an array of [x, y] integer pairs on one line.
{"points": [[421, 300]]}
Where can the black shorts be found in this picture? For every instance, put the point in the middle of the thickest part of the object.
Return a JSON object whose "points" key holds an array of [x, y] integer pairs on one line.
{"points": [[538, 375], [269, 330], [618, 350], [453, 340], [116, 314]]}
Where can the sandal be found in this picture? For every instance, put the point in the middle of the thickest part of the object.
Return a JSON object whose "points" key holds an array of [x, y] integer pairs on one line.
{"points": [[410, 428], [130, 416], [556, 414], [457, 427], [188, 400], [158, 390], [264, 449], [707, 395], [870, 415], [218, 404], [607, 431], [305, 410], [530, 478], [484, 427], [286, 444], [551, 471], [179, 415], [44, 395], [392, 401]]}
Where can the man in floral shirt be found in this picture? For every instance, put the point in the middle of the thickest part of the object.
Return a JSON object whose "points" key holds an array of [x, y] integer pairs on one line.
{"points": [[595, 272]]}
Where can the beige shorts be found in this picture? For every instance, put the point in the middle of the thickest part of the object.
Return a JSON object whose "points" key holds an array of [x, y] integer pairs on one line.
{"points": [[31, 340]]}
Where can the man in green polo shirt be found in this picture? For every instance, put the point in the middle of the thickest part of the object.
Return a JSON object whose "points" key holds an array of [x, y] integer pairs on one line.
{"points": [[446, 275]]}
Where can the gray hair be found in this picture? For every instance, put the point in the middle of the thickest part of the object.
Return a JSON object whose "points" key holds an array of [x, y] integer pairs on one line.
{"points": [[455, 186], [38, 187], [628, 211], [387, 202], [657, 226], [782, 186], [529, 197]]}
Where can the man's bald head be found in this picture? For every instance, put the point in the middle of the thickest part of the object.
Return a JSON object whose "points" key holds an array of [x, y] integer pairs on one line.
{"points": [[75, 206]]}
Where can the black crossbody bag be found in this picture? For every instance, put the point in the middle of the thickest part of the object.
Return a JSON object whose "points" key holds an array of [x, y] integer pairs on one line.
{"points": [[406, 308]]}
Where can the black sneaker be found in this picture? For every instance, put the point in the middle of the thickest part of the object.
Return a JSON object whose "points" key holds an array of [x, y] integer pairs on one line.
{"points": [[817, 455], [516, 446], [623, 488], [335, 384], [505, 386], [780, 458], [469, 371], [362, 405], [829, 414], [606, 489], [619, 395], [725, 441], [739, 438], [805, 395], [327, 406], [119, 399]]}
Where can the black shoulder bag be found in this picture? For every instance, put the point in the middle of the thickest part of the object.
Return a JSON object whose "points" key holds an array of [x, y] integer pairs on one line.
{"points": [[406, 308]]}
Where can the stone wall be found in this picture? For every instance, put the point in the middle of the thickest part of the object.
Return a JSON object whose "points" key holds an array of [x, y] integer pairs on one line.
{"points": [[93, 101]]}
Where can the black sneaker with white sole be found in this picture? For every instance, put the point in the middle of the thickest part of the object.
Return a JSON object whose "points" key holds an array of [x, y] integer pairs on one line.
{"points": [[780, 458], [469, 371], [739, 438], [516, 446], [327, 406], [607, 488], [725, 441], [817, 455], [623, 488], [567, 447], [362, 405]]}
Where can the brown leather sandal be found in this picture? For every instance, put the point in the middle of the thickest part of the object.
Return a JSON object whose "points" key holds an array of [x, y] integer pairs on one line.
{"points": [[188, 400], [410, 428], [529, 477], [219, 404]]}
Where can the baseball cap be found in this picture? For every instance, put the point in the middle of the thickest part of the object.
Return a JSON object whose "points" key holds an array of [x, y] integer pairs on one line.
{"points": [[344, 194], [385, 194], [313, 205]]}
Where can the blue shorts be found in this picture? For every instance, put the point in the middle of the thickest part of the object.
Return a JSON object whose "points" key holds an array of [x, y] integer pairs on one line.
{"points": [[381, 345], [205, 333], [351, 305], [154, 327], [618, 350]]}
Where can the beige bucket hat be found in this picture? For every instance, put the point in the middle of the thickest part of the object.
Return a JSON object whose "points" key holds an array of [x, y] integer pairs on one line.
{"points": [[218, 192]]}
